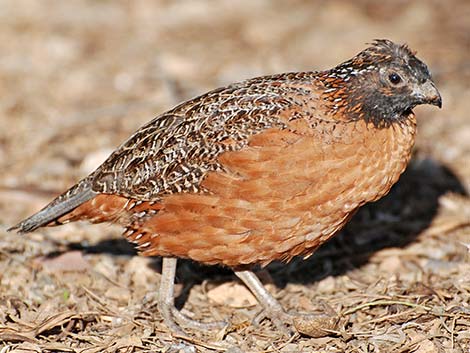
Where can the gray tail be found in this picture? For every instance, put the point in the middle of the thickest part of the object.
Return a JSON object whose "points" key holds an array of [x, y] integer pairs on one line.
{"points": [[61, 205]]}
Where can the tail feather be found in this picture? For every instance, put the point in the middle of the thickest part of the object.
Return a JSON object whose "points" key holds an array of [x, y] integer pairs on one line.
{"points": [[61, 205]]}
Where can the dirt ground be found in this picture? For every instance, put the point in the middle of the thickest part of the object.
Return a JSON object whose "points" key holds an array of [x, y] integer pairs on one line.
{"points": [[78, 77]]}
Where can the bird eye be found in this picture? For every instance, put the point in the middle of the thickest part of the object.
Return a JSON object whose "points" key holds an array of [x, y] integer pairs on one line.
{"points": [[394, 78]]}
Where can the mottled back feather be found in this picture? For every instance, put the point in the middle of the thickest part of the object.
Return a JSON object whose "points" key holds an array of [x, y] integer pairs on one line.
{"points": [[174, 152]]}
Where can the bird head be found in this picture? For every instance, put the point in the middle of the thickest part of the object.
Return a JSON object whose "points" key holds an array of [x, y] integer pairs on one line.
{"points": [[381, 84]]}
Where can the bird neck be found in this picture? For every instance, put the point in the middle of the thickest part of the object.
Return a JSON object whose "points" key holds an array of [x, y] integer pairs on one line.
{"points": [[347, 97]]}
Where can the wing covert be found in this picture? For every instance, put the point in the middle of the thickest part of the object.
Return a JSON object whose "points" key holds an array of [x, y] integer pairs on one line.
{"points": [[173, 152]]}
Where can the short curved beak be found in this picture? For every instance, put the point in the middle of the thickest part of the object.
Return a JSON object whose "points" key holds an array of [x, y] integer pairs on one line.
{"points": [[427, 93]]}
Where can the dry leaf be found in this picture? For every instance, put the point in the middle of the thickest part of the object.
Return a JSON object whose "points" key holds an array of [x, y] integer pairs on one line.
{"points": [[391, 264], [232, 294], [315, 325], [424, 345], [27, 347], [120, 294]]}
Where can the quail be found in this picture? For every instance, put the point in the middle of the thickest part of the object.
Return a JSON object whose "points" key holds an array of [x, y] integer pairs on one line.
{"points": [[261, 170]]}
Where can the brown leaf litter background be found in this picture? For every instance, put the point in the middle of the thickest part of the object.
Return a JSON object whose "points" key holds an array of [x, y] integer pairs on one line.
{"points": [[77, 77]]}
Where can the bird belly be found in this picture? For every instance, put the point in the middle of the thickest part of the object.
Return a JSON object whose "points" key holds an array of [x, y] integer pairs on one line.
{"points": [[280, 197]]}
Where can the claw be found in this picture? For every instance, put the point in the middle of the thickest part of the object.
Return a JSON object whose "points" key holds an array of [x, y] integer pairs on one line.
{"points": [[312, 325]]}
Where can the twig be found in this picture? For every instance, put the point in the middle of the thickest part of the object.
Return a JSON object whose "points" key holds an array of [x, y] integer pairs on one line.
{"points": [[386, 302]]}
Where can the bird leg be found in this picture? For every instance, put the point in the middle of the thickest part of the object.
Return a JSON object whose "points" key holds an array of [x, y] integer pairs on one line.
{"points": [[166, 304], [313, 325], [271, 306]]}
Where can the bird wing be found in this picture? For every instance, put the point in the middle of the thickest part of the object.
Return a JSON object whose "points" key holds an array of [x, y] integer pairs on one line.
{"points": [[174, 151]]}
